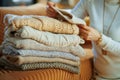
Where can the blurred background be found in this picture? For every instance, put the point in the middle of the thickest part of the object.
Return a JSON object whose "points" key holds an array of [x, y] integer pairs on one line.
{"points": [[60, 3]]}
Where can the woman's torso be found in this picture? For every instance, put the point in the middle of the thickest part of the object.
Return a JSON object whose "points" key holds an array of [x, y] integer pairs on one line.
{"points": [[106, 65]]}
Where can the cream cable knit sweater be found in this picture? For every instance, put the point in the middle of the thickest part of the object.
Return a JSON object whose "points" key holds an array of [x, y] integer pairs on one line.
{"points": [[33, 45], [42, 23], [48, 38]]}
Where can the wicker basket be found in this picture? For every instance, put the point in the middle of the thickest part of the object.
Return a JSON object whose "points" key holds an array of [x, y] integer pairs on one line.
{"points": [[49, 74], [86, 70]]}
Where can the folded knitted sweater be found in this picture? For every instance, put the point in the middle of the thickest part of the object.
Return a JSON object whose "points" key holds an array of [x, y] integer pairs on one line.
{"points": [[33, 45], [47, 38], [19, 60], [33, 66], [67, 16], [9, 50], [43, 23]]}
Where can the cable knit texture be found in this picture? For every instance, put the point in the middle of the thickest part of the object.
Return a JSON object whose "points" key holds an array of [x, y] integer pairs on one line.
{"points": [[9, 50], [66, 16], [43, 23], [33, 45], [40, 74], [48, 38], [19, 60], [5, 64], [36, 9]]}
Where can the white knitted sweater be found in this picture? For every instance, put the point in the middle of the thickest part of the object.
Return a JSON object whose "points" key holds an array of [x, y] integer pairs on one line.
{"points": [[107, 66]]}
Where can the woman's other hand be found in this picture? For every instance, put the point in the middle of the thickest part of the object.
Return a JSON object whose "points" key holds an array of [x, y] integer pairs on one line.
{"points": [[89, 33], [50, 11]]}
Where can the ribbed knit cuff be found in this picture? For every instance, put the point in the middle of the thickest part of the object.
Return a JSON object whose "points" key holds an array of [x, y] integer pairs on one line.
{"points": [[104, 42]]}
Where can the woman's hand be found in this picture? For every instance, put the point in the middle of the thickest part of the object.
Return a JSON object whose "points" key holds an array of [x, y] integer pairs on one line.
{"points": [[50, 11], [89, 33]]}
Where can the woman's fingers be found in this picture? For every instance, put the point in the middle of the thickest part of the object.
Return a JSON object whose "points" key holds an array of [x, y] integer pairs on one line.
{"points": [[51, 14], [50, 4], [84, 31], [84, 34], [50, 11], [89, 33], [84, 27]]}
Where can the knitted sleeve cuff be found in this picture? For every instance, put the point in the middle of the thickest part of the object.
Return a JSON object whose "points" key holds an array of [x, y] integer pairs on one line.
{"points": [[104, 42]]}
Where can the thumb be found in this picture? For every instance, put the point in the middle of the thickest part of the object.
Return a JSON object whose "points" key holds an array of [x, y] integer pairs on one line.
{"points": [[80, 25], [51, 4]]}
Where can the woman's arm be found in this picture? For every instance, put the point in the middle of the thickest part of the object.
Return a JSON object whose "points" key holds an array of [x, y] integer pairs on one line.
{"points": [[110, 45], [106, 43], [80, 9]]}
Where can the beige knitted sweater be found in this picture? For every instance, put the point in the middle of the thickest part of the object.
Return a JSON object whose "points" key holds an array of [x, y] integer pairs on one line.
{"points": [[47, 38], [34, 45], [19, 60], [42, 23]]}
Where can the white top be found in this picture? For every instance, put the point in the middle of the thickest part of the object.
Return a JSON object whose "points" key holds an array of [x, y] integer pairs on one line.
{"points": [[107, 66]]}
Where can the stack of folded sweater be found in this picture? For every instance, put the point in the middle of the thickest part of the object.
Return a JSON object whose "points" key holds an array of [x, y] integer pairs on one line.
{"points": [[39, 42]]}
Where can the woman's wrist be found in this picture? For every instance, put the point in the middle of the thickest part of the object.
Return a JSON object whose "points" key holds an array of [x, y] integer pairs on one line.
{"points": [[99, 39]]}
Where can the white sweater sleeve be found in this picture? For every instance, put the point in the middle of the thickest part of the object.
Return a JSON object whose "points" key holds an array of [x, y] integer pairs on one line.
{"points": [[80, 9], [110, 45]]}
